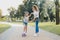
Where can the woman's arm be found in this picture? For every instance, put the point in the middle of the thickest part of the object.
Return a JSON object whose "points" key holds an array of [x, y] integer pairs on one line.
{"points": [[33, 19]]}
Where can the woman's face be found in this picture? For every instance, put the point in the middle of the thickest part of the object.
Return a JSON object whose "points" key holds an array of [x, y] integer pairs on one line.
{"points": [[33, 9]]}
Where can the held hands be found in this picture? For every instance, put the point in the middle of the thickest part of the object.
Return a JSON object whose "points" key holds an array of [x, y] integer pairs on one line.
{"points": [[31, 21]]}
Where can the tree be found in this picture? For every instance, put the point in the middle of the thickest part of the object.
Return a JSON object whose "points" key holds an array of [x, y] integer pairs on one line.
{"points": [[40, 3], [42, 10], [57, 11], [0, 13], [27, 6], [12, 11]]}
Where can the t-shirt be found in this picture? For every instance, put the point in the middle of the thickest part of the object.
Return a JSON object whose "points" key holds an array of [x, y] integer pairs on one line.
{"points": [[36, 14], [26, 19]]}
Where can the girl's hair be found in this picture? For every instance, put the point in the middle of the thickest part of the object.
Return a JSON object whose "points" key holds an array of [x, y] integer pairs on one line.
{"points": [[35, 7], [26, 12]]}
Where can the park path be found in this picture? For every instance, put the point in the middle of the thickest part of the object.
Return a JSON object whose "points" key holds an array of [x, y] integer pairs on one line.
{"points": [[14, 33]]}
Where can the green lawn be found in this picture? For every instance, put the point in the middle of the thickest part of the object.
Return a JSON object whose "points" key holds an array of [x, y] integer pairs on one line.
{"points": [[49, 26], [4, 27]]}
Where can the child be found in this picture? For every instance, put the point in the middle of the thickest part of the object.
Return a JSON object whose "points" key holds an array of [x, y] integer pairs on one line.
{"points": [[25, 21]]}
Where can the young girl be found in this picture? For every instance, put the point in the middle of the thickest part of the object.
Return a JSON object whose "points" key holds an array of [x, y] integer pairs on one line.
{"points": [[36, 18], [25, 21]]}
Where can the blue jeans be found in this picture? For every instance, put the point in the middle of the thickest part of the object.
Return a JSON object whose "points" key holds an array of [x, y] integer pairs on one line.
{"points": [[36, 23]]}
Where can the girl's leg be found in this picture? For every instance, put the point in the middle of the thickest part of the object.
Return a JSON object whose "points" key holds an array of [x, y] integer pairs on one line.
{"points": [[25, 29], [37, 28]]}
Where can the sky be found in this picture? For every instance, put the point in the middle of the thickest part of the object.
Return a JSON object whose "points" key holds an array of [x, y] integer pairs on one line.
{"points": [[5, 4]]}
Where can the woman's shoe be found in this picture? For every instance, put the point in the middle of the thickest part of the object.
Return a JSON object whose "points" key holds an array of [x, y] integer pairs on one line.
{"points": [[35, 34]]}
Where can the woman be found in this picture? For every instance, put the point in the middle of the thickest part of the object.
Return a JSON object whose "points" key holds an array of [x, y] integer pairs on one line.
{"points": [[36, 18]]}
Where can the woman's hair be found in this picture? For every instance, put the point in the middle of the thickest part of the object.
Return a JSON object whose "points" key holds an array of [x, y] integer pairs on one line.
{"points": [[35, 7]]}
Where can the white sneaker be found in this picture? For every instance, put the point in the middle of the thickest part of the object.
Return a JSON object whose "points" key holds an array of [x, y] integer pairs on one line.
{"points": [[38, 33], [35, 34]]}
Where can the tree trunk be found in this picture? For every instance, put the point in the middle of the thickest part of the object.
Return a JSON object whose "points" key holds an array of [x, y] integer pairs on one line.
{"points": [[57, 11]]}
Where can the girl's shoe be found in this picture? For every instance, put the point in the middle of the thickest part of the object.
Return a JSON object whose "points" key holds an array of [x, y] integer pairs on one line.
{"points": [[24, 35]]}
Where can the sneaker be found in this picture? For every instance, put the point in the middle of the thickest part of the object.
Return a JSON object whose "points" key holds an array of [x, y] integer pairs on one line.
{"points": [[24, 35], [35, 34], [38, 33]]}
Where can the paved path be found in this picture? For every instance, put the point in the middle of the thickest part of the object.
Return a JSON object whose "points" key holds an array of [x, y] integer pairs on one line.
{"points": [[14, 33]]}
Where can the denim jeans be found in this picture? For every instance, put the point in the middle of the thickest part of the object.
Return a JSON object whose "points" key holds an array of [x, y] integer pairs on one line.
{"points": [[36, 23]]}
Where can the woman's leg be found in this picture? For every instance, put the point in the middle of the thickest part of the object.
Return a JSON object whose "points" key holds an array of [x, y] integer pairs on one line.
{"points": [[37, 28]]}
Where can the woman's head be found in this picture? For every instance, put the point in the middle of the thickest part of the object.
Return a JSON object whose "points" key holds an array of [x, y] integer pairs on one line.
{"points": [[35, 8]]}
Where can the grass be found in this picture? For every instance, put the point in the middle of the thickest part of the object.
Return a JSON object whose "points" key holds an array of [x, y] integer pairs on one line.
{"points": [[49, 26], [3, 19], [4, 27], [17, 22]]}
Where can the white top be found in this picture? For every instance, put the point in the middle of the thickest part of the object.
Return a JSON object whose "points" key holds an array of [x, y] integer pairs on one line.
{"points": [[36, 14], [26, 19]]}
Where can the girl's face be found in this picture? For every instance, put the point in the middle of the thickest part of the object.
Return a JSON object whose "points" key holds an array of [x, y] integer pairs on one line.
{"points": [[26, 14]]}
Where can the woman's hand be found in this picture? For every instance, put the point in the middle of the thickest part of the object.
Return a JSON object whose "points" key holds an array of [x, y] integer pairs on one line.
{"points": [[31, 21]]}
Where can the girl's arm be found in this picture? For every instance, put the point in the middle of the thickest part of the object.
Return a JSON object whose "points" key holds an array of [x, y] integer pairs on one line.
{"points": [[29, 15]]}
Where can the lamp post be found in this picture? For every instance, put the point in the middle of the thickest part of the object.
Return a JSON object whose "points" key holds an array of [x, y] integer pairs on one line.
{"points": [[57, 11]]}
